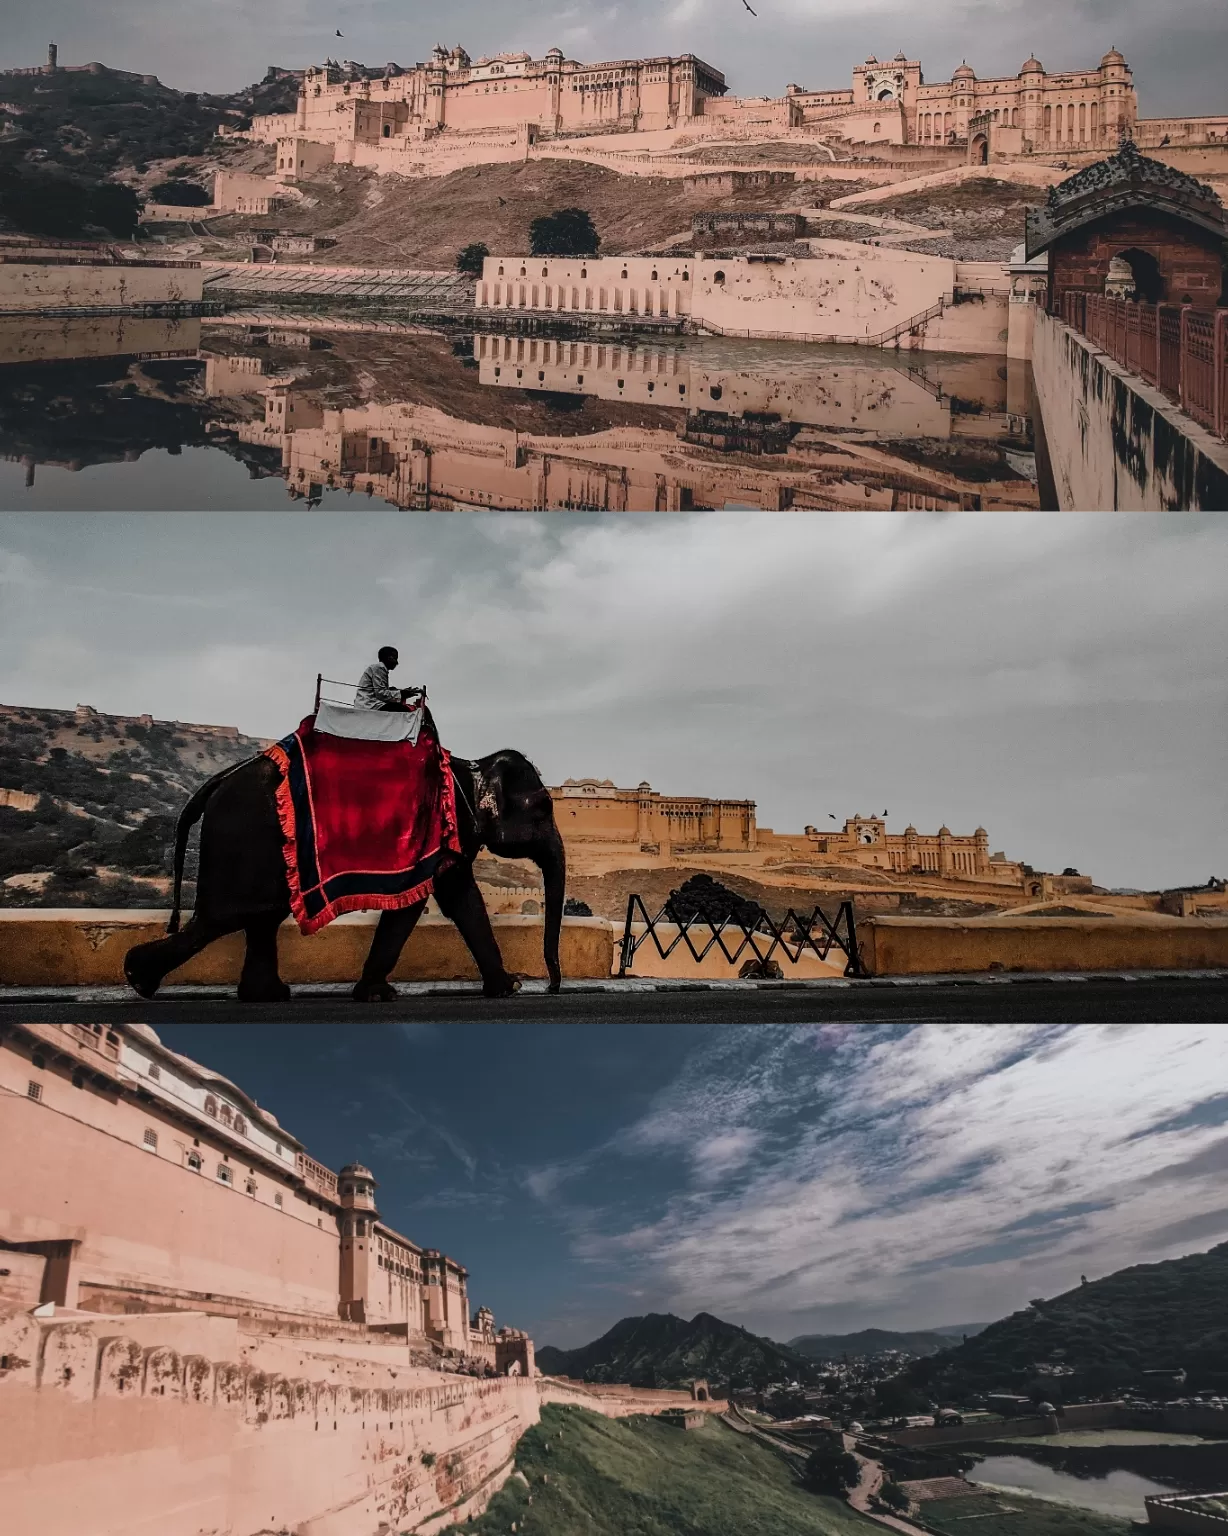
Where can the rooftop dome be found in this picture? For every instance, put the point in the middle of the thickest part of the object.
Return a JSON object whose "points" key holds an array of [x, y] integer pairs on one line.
{"points": [[1112, 57], [964, 72], [1032, 66], [900, 58]]}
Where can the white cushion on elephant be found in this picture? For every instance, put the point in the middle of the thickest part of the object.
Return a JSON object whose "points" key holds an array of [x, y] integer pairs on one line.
{"points": [[368, 724]]}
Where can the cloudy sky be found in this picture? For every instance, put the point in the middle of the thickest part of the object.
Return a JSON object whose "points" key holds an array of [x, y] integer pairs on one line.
{"points": [[787, 1179], [1057, 678], [1176, 49]]}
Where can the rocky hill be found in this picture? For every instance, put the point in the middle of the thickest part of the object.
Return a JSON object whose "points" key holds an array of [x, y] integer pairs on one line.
{"points": [[662, 1350], [88, 802], [1102, 1336]]}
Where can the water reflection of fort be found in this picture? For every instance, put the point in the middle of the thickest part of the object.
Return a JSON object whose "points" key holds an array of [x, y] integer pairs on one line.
{"points": [[718, 424], [753, 436]]}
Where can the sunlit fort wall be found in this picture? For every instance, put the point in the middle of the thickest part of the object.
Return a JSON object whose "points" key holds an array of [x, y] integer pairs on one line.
{"points": [[149, 1182]]}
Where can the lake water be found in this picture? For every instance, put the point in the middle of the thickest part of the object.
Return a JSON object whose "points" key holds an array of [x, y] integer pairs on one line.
{"points": [[1119, 1493], [232, 413]]}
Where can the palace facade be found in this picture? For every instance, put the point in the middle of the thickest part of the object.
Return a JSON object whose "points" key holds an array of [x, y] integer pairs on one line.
{"points": [[351, 113], [149, 1183], [596, 817]]}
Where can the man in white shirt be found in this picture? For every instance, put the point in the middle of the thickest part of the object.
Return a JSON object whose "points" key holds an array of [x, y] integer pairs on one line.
{"points": [[374, 689]]}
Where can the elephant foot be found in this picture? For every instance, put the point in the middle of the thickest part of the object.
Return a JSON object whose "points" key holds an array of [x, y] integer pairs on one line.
{"points": [[143, 979], [373, 992], [504, 986], [275, 991]]}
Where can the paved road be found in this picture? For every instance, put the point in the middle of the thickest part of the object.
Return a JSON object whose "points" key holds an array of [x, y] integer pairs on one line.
{"points": [[1089, 999]]}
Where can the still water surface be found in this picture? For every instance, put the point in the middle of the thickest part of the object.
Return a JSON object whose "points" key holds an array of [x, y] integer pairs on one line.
{"points": [[192, 415], [1119, 1493]]}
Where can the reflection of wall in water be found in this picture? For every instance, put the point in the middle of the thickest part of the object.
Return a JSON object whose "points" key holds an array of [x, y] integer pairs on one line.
{"points": [[887, 401], [44, 338]]}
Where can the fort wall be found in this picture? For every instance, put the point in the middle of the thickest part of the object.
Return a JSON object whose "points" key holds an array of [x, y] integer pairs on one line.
{"points": [[1114, 443], [167, 1426], [56, 284]]}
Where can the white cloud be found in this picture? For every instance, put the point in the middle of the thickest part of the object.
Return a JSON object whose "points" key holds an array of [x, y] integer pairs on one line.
{"points": [[920, 1175]]}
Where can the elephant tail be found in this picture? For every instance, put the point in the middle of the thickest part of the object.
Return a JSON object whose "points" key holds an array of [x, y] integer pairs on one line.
{"points": [[188, 817]]}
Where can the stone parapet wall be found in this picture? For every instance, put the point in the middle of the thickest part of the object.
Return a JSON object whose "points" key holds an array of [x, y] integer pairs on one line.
{"points": [[177, 1424], [34, 286], [84, 947], [918, 946]]}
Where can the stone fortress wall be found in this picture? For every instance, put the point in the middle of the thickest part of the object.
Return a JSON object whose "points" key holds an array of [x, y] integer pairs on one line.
{"points": [[202, 1328]]}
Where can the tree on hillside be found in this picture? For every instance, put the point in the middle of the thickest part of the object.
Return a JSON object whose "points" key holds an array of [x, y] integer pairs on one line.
{"points": [[180, 194], [46, 203], [471, 258], [894, 1496], [831, 1469], [566, 232]]}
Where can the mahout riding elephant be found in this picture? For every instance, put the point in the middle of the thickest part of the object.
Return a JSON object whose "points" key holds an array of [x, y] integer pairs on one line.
{"points": [[501, 805]]}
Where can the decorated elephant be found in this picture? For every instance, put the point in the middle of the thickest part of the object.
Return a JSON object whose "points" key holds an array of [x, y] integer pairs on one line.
{"points": [[501, 804]]}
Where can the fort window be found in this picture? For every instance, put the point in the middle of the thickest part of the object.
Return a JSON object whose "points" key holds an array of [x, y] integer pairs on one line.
{"points": [[211, 1106], [78, 1079], [250, 1186], [195, 1162], [240, 1122], [38, 1060], [151, 1139], [224, 1174], [34, 1091], [277, 1201], [155, 1071]]}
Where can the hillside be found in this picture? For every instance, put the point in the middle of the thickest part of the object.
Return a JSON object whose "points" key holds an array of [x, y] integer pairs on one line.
{"points": [[579, 1474], [88, 802], [662, 1350], [99, 122], [870, 1341], [1102, 1335]]}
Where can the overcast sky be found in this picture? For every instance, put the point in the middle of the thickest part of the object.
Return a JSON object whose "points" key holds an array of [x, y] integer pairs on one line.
{"points": [[1055, 677], [1176, 50], [787, 1179]]}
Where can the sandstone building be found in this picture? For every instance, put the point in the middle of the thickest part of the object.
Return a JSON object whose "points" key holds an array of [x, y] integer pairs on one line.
{"points": [[598, 818], [151, 1183], [404, 119]]}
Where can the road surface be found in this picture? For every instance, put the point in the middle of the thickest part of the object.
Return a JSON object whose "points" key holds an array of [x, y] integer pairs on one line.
{"points": [[1091, 999]]}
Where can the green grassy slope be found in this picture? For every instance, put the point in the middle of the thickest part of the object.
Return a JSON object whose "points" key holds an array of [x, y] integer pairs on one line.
{"points": [[592, 1476]]}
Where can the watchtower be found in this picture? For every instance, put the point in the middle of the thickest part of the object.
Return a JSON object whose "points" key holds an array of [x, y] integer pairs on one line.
{"points": [[356, 1195]]}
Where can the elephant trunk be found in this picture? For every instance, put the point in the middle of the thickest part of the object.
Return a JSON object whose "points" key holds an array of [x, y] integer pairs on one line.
{"points": [[552, 861]]}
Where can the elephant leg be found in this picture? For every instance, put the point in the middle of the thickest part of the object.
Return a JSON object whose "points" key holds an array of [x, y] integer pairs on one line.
{"points": [[146, 965], [260, 981], [391, 932], [459, 900]]}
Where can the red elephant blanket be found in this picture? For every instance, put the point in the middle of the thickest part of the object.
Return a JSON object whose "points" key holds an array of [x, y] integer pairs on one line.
{"points": [[367, 824]]}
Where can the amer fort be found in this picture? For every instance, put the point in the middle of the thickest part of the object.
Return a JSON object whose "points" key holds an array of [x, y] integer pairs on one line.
{"points": [[1023, 277]]}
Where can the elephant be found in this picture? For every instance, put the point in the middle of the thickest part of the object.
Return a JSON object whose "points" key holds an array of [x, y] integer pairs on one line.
{"points": [[501, 805]]}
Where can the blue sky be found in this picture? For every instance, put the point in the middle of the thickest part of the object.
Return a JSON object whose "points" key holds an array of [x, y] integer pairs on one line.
{"points": [[1176, 50], [788, 1179]]}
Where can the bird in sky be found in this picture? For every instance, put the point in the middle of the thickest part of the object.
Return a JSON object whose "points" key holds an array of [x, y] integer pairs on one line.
{"points": [[340, 33], [830, 817], [753, 13]]}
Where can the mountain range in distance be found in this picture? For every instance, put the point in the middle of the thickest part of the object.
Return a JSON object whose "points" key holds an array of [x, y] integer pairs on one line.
{"points": [[660, 1349], [878, 1341]]}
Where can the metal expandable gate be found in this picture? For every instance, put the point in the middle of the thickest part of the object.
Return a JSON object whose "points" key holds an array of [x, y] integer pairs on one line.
{"points": [[788, 938]]}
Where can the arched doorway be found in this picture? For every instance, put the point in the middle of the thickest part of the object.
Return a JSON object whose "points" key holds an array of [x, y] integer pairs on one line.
{"points": [[1145, 271], [980, 150]]}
